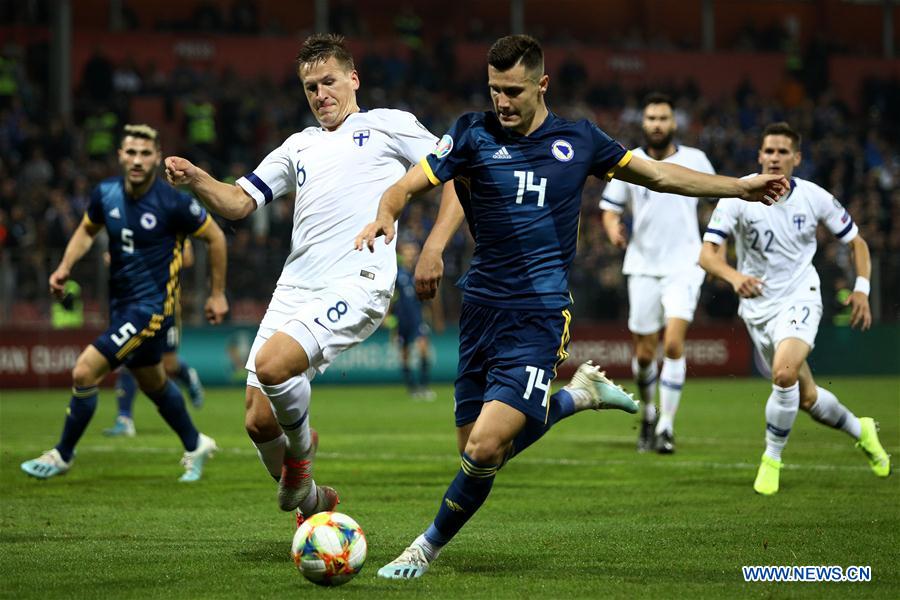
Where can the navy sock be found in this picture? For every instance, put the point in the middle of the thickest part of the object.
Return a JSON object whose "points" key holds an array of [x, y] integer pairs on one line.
{"points": [[171, 406], [81, 409], [561, 406], [182, 375], [126, 388], [407, 377], [463, 498], [424, 375]]}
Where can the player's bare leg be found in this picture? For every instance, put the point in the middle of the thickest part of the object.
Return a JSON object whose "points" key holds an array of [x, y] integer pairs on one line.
{"points": [[281, 365], [488, 442], [90, 369], [646, 375], [671, 380], [781, 410], [823, 406]]}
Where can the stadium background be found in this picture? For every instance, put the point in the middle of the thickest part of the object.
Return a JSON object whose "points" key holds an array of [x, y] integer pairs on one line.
{"points": [[217, 78]]}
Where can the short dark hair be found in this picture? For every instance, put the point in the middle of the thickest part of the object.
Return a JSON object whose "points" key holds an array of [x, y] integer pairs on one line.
{"points": [[511, 50], [782, 128], [658, 98], [319, 47], [145, 132]]}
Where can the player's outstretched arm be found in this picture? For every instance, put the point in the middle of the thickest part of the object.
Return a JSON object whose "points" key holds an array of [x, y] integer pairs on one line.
{"points": [[713, 261], [80, 242], [860, 313], [669, 177], [229, 201], [392, 203], [430, 266], [217, 304], [615, 230]]}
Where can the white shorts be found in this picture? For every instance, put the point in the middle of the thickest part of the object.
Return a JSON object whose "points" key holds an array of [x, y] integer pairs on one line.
{"points": [[797, 319], [654, 300], [323, 322]]}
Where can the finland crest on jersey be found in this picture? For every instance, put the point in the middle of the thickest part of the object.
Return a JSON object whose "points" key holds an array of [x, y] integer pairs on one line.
{"points": [[337, 179], [777, 243]]}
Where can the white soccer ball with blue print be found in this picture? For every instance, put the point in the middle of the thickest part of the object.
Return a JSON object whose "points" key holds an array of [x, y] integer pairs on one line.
{"points": [[329, 548]]}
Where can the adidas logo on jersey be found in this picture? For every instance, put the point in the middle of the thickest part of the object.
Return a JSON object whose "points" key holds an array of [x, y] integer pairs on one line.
{"points": [[114, 213], [502, 153]]}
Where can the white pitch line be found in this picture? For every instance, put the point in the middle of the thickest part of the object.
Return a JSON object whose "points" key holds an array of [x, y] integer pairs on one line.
{"points": [[660, 462]]}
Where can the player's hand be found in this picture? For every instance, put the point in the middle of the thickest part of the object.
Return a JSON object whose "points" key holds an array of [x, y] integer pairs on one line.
{"points": [[429, 271], [371, 231], [747, 286], [216, 308], [767, 189], [617, 236], [860, 314], [58, 279], [180, 171]]}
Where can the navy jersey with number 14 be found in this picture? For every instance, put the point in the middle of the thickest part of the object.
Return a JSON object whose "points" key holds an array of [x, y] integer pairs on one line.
{"points": [[522, 199]]}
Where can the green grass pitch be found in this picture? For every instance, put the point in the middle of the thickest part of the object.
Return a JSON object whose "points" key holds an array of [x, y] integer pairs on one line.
{"points": [[579, 515]]}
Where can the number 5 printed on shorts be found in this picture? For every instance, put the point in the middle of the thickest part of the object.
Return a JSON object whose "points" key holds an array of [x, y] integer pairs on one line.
{"points": [[125, 331], [536, 380], [334, 314]]}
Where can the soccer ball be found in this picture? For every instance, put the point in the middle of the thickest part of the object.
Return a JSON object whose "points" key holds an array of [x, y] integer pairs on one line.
{"points": [[329, 548]]}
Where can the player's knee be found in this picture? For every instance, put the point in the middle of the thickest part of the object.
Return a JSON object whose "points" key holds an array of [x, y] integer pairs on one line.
{"points": [[644, 355], [673, 348], [261, 427], [486, 451], [83, 375], [784, 376], [269, 372]]}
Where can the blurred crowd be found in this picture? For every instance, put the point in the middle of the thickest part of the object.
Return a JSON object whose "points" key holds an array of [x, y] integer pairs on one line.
{"points": [[227, 125]]}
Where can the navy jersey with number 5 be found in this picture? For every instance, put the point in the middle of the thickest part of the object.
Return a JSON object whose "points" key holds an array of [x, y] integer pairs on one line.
{"points": [[145, 241], [522, 199]]}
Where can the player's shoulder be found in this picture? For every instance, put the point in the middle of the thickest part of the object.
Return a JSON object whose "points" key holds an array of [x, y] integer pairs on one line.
{"points": [[692, 153], [811, 190], [110, 185]]}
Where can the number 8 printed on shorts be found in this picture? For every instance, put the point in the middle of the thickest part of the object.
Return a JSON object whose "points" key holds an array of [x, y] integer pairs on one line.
{"points": [[334, 313]]}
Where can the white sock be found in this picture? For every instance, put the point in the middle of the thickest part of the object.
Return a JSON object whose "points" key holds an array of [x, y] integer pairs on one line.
{"points": [[580, 397], [781, 410], [290, 400], [431, 550], [829, 411], [271, 454], [671, 380], [308, 506], [646, 377]]}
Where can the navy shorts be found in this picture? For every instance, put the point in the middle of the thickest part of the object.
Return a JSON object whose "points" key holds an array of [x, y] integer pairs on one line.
{"points": [[510, 356], [136, 337], [408, 331]]}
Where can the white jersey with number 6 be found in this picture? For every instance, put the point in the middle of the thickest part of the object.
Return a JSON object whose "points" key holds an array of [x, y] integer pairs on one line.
{"points": [[777, 243], [337, 178], [665, 236]]}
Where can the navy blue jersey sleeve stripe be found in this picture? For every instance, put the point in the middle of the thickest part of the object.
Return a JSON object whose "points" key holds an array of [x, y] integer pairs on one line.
{"points": [[846, 229], [721, 234], [606, 199], [261, 186]]}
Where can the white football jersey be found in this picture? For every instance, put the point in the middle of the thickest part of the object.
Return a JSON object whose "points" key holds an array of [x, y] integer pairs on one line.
{"points": [[776, 243], [338, 178], [665, 235]]}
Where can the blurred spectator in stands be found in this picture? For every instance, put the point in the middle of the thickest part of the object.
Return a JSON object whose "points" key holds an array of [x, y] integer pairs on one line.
{"points": [[37, 170], [126, 79], [244, 17], [100, 132], [97, 77], [207, 17], [408, 26], [60, 220], [343, 18]]}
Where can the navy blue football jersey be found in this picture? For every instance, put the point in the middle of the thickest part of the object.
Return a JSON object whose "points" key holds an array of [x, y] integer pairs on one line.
{"points": [[145, 241], [522, 200], [407, 306]]}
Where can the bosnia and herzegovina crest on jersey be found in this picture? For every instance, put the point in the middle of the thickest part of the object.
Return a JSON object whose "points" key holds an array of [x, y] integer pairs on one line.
{"points": [[562, 150], [444, 146]]}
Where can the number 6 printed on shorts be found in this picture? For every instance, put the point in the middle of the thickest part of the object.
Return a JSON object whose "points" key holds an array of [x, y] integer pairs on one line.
{"points": [[536, 380]]}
